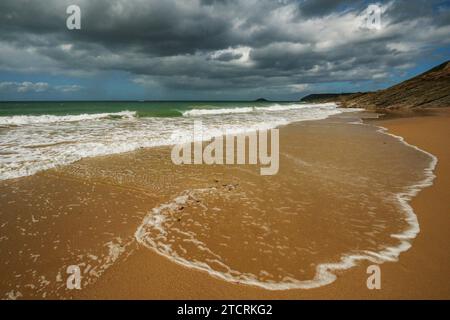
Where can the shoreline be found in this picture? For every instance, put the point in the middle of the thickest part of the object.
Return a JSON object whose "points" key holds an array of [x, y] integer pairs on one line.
{"points": [[326, 272], [127, 278], [82, 148], [338, 289]]}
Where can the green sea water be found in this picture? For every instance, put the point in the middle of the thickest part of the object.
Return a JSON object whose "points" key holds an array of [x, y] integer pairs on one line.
{"points": [[143, 109], [36, 136]]}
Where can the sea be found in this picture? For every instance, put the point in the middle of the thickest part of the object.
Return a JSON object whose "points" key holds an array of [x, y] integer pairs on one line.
{"points": [[36, 136]]}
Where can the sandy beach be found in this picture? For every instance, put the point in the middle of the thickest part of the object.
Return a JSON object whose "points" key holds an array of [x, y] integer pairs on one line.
{"points": [[224, 150], [421, 273], [87, 214]]}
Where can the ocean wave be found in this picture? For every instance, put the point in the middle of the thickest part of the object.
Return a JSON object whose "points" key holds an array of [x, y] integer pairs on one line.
{"points": [[59, 140], [204, 112], [269, 108], [285, 107], [47, 118]]}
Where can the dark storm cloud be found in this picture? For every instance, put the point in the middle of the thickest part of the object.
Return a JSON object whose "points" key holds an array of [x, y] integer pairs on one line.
{"points": [[311, 8], [228, 44], [228, 56]]}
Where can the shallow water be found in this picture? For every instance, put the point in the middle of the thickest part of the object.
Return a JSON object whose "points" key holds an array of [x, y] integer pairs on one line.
{"points": [[334, 197]]}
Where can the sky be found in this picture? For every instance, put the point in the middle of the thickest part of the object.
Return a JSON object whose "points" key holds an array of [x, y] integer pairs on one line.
{"points": [[215, 49]]}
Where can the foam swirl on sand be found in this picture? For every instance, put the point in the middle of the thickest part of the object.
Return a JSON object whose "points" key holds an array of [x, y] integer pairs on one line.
{"points": [[325, 271], [159, 231], [153, 234]]}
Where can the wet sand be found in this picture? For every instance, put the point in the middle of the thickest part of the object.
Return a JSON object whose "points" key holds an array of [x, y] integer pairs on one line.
{"points": [[423, 272], [103, 197]]}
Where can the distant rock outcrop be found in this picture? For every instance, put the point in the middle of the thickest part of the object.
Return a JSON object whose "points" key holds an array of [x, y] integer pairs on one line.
{"points": [[430, 89]]}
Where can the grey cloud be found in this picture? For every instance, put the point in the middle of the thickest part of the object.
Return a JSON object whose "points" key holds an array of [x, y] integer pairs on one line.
{"points": [[228, 56], [194, 45], [69, 88], [36, 87], [25, 86], [311, 8]]}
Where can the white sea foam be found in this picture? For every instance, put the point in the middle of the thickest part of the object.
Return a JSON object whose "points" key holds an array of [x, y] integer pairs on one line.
{"points": [[283, 107], [325, 272], [13, 295], [46, 118], [30, 144], [203, 112], [270, 108]]}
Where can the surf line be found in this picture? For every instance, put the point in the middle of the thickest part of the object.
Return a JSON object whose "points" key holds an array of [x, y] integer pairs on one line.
{"points": [[213, 153]]}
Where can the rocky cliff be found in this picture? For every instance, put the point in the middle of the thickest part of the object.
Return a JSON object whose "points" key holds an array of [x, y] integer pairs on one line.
{"points": [[427, 90]]}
